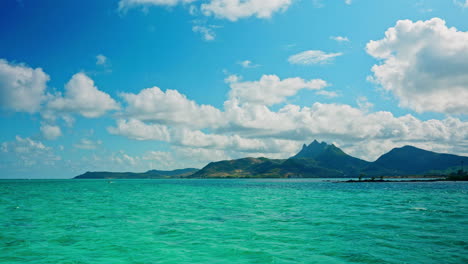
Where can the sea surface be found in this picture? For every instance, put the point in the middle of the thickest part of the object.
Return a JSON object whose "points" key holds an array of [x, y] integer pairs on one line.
{"points": [[232, 221]]}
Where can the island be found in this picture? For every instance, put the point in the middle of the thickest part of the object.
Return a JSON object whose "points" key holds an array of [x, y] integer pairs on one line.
{"points": [[317, 160]]}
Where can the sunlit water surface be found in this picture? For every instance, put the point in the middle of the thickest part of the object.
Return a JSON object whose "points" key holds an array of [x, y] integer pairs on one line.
{"points": [[232, 221]]}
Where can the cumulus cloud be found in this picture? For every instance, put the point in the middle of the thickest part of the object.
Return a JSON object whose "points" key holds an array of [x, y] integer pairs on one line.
{"points": [[138, 130], [424, 64], [50, 132], [234, 10], [313, 57], [270, 89], [22, 88], [170, 107], [82, 97]]}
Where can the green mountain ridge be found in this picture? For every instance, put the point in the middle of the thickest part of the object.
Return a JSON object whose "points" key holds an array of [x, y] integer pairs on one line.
{"points": [[317, 160], [322, 160]]}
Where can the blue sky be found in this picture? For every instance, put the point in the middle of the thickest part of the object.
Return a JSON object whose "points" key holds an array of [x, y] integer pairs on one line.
{"points": [[133, 85]]}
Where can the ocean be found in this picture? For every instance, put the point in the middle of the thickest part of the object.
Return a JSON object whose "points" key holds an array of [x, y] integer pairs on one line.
{"points": [[232, 221]]}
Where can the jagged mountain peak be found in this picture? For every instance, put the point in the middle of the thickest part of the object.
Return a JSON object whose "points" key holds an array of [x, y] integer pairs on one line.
{"points": [[317, 148]]}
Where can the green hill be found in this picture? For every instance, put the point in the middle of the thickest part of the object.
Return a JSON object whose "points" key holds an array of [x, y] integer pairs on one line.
{"points": [[409, 160], [264, 168]]}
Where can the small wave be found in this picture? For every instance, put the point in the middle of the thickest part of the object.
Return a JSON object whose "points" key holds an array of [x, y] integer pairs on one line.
{"points": [[419, 208]]}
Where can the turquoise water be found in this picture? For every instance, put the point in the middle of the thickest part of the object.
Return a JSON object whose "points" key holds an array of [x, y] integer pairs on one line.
{"points": [[232, 221]]}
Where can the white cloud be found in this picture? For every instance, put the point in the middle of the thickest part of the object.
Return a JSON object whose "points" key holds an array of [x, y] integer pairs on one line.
{"points": [[313, 57], [237, 9], [160, 156], [101, 59], [461, 3], [136, 129], [248, 64], [329, 94], [184, 137], [170, 107], [424, 64], [200, 156], [270, 89], [257, 130], [207, 33], [320, 4], [22, 88], [87, 144], [26, 153], [24, 145], [340, 38], [126, 4], [82, 97], [364, 104], [247, 126], [50, 132]]}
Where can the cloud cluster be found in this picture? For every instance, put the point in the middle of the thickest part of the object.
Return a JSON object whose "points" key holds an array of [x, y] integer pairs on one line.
{"points": [[424, 64], [22, 88], [26, 153], [232, 10], [248, 125]]}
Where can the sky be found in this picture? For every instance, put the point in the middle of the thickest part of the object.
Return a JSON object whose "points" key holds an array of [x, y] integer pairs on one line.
{"points": [[133, 85]]}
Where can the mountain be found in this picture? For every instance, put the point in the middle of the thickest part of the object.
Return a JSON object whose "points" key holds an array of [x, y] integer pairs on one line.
{"points": [[409, 160], [322, 160], [317, 160], [151, 174], [312, 151], [331, 157]]}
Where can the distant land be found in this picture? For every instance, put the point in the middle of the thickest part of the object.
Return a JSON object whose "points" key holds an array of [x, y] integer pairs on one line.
{"points": [[151, 174], [317, 160]]}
